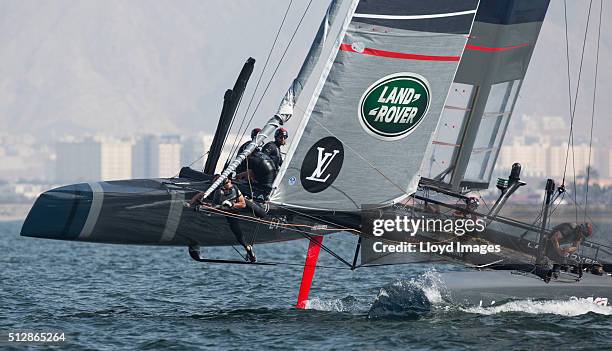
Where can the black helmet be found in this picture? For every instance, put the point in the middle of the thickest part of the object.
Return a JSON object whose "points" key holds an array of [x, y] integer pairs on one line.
{"points": [[281, 133], [254, 132], [473, 202]]}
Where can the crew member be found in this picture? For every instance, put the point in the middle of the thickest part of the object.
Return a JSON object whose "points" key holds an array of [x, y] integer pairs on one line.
{"points": [[471, 205], [228, 198], [563, 234], [262, 171], [254, 133], [273, 148], [243, 166]]}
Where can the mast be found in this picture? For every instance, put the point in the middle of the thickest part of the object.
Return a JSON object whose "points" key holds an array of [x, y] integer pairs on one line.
{"points": [[550, 190], [231, 100]]}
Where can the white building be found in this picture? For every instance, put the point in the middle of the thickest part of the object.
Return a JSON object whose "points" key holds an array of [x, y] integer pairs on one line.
{"points": [[194, 151], [92, 159], [545, 160], [533, 159], [156, 156]]}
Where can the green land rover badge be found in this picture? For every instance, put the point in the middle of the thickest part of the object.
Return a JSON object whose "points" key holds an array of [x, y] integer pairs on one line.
{"points": [[392, 107]]}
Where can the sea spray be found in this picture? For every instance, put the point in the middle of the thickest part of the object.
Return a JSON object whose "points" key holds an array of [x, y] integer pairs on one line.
{"points": [[408, 299], [345, 304]]}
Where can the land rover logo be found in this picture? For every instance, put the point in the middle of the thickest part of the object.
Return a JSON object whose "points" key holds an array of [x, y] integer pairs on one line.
{"points": [[322, 164], [392, 107]]}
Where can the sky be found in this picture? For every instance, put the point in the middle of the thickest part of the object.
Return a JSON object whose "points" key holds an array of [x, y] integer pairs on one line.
{"points": [[128, 67]]}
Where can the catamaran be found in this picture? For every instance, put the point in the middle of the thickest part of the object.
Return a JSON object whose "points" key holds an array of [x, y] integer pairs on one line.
{"points": [[402, 109]]}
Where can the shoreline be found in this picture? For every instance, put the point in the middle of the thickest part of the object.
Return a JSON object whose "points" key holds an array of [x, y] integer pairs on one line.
{"points": [[598, 213], [14, 212]]}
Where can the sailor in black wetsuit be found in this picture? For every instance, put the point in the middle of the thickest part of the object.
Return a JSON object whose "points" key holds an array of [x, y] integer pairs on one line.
{"points": [[262, 171], [566, 233], [254, 133], [273, 148], [228, 198], [243, 167]]}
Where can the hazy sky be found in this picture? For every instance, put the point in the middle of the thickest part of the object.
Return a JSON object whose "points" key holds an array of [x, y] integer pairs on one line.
{"points": [[124, 67]]}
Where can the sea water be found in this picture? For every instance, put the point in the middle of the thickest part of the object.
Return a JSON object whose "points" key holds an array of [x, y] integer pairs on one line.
{"points": [[156, 298]]}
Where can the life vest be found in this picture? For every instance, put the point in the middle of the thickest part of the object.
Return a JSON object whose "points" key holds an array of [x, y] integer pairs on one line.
{"points": [[569, 232], [273, 150], [222, 195], [263, 168]]}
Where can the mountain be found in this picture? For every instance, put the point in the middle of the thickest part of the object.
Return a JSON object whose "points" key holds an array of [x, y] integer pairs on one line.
{"points": [[126, 67]]}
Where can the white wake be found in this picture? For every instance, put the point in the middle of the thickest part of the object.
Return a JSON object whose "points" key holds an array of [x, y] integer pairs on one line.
{"points": [[572, 307]]}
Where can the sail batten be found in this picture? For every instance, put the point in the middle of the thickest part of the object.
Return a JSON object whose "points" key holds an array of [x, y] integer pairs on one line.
{"points": [[413, 17]]}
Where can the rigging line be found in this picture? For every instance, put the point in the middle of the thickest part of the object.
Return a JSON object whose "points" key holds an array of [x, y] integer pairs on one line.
{"points": [[340, 229], [569, 81], [238, 252], [278, 65], [254, 236], [260, 77], [595, 226], [553, 209], [573, 108], [258, 220], [588, 175], [191, 164]]}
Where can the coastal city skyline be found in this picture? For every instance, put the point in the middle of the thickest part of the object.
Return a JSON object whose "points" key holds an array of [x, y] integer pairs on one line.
{"points": [[538, 143]]}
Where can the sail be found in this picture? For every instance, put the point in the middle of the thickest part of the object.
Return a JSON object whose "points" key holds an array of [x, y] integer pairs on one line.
{"points": [[472, 127], [364, 131]]}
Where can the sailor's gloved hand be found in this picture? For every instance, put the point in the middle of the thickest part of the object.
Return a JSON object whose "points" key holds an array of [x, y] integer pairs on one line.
{"points": [[227, 204], [186, 204]]}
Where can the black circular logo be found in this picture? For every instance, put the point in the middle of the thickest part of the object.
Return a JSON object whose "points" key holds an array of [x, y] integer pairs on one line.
{"points": [[322, 164]]}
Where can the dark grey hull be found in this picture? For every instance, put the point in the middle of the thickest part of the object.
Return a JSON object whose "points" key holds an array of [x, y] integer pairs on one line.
{"points": [[145, 212], [487, 288]]}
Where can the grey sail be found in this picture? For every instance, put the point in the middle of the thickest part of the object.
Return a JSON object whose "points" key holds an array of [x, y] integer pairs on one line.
{"points": [[365, 129], [473, 124]]}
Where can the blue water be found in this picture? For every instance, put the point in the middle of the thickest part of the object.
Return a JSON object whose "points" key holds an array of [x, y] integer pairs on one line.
{"points": [[149, 298]]}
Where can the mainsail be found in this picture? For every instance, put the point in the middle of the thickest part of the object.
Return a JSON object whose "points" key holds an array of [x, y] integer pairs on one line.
{"points": [[480, 104], [378, 99]]}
